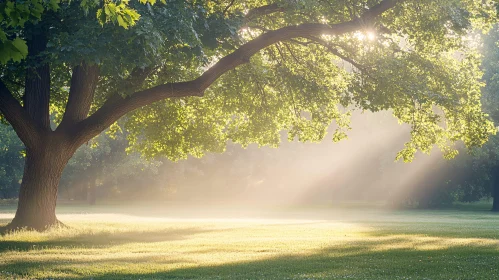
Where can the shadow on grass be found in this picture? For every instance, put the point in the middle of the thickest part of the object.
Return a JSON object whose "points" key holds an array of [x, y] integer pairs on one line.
{"points": [[361, 260], [459, 263], [102, 239]]}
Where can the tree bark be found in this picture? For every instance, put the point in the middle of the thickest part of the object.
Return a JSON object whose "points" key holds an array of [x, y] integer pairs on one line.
{"points": [[81, 94], [38, 193], [37, 85]]}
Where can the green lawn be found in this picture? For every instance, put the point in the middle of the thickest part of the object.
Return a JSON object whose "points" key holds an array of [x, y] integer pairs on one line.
{"points": [[301, 243]]}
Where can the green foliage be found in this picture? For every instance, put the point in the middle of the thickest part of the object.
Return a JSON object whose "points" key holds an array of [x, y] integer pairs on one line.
{"points": [[410, 66], [14, 15], [301, 87], [482, 164], [474, 175], [15, 50], [118, 13]]}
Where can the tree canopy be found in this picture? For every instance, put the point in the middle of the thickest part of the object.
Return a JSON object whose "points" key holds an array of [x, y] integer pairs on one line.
{"points": [[322, 59]]}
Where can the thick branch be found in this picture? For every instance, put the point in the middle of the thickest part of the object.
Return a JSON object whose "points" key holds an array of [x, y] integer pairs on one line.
{"points": [[37, 85], [18, 117], [81, 93], [228, 7], [117, 106]]}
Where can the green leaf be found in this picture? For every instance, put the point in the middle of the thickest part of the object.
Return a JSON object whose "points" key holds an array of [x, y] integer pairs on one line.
{"points": [[3, 36], [21, 46], [101, 17], [121, 22]]}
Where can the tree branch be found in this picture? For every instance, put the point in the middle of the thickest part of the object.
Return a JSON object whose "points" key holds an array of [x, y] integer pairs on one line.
{"points": [[18, 117], [117, 106], [336, 52], [81, 93], [228, 7], [37, 84]]}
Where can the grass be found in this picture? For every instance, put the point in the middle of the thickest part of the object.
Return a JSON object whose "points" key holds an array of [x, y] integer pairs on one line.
{"points": [[316, 243]]}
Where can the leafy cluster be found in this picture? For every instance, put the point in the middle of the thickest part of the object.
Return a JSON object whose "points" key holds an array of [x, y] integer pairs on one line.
{"points": [[417, 64], [14, 15]]}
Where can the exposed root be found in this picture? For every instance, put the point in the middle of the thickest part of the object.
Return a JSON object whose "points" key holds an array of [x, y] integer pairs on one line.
{"points": [[61, 225], [16, 226]]}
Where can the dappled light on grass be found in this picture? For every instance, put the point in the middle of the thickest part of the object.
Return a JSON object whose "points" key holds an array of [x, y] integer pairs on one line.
{"points": [[115, 246], [426, 243]]}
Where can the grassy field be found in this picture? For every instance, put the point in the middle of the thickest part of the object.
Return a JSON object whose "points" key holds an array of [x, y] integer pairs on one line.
{"points": [[111, 242]]}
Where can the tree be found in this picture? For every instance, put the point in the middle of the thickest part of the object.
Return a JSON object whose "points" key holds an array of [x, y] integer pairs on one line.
{"points": [[214, 71], [485, 161], [476, 175]]}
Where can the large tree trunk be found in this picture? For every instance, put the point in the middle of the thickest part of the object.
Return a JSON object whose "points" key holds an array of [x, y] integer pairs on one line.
{"points": [[38, 194]]}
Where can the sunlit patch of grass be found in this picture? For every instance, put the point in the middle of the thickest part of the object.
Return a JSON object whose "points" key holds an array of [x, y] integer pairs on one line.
{"points": [[299, 245]]}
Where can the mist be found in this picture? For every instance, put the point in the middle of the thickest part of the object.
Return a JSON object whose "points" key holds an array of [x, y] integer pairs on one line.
{"points": [[361, 168]]}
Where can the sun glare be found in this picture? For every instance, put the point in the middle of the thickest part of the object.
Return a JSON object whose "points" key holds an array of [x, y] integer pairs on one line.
{"points": [[365, 36], [371, 36]]}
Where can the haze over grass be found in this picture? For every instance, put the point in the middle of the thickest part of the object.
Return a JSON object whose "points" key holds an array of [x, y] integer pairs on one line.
{"points": [[282, 244]]}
